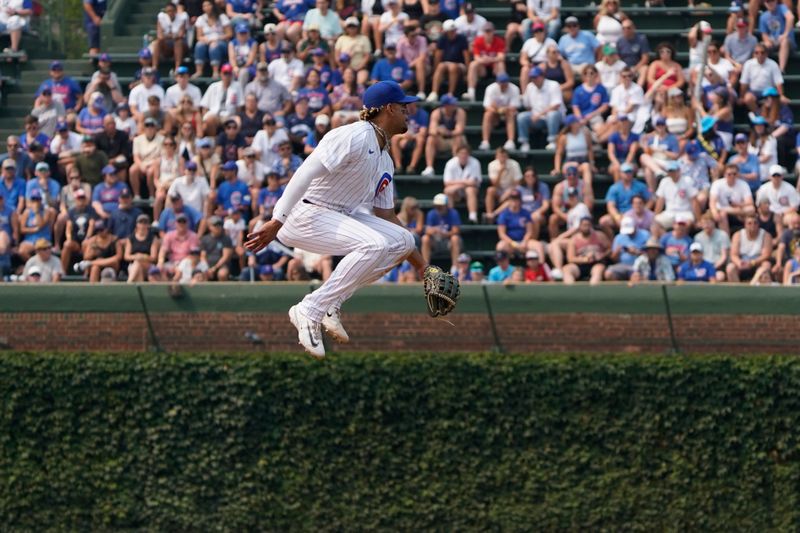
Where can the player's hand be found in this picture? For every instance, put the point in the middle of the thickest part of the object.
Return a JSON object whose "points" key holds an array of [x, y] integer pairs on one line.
{"points": [[259, 239]]}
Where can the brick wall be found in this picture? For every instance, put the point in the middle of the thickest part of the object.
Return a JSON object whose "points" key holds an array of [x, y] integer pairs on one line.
{"points": [[530, 333]]}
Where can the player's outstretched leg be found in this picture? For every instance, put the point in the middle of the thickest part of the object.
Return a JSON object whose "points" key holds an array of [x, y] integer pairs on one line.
{"points": [[308, 333]]}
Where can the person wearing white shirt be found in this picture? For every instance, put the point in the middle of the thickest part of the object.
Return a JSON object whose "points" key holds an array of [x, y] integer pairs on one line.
{"points": [[610, 67], [266, 142], [174, 93], [758, 73], [170, 35], [222, 99], [137, 99], [676, 196], [287, 69], [192, 189], [462, 178], [533, 52], [782, 197], [65, 143], [627, 98], [730, 199], [250, 170], [500, 102], [328, 22], [470, 24], [545, 102], [391, 23]]}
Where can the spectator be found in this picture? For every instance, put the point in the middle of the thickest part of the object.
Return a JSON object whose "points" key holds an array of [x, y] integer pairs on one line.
{"points": [[488, 55], [776, 25], [558, 69], [461, 270], [217, 250], [739, 45], [515, 229], [451, 58], [268, 196], [138, 97], [43, 267], [716, 245], [610, 67], [36, 222], [719, 72], [90, 118], [271, 96], [287, 70], [701, 168], [788, 245], [608, 22], [167, 171], [322, 125], [533, 52], [696, 268], [392, 68], [212, 31], [79, 226], [676, 195], [230, 142], [502, 271], [758, 74], [124, 120], [242, 54], [328, 22], [665, 69], [390, 25], [307, 265], [17, 155], [356, 46], [271, 47], [12, 188], [318, 101], [14, 16], [782, 197], [113, 142], [287, 162], [191, 269], [48, 112], [446, 132], [766, 219], [91, 161], [476, 272], [504, 176], [101, 251], [32, 134], [413, 49], [191, 188], [730, 199], [314, 49], [590, 100], [122, 221], [571, 186], [36, 154], [42, 183], [146, 157], [462, 179], [577, 46], [290, 15], [145, 58], [176, 245], [676, 243], [623, 146], [412, 218], [746, 162], [652, 265], [175, 93], [105, 196], [535, 198], [640, 213], [442, 231], [246, 12], [231, 193], [751, 248], [9, 234], [574, 147], [500, 102], [779, 117], [170, 35], [634, 51], [65, 90], [141, 250], [105, 81], [763, 145], [587, 251], [660, 150], [792, 270], [545, 101], [625, 248], [470, 24], [412, 141], [535, 269], [221, 100], [619, 198], [267, 141]]}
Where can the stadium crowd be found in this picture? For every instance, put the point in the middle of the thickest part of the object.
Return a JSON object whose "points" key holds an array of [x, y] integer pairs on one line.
{"points": [[160, 181]]}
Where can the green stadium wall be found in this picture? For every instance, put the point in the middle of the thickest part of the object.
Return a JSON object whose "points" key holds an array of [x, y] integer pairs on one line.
{"points": [[521, 318]]}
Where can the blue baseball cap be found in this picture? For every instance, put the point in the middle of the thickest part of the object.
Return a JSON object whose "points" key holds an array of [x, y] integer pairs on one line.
{"points": [[386, 92], [707, 123], [183, 69], [230, 165], [572, 119], [692, 149], [242, 28], [109, 169], [266, 270], [104, 57], [769, 91], [535, 72], [190, 165], [41, 166], [758, 120], [36, 194], [661, 121], [205, 142], [62, 126], [448, 99], [626, 167], [502, 78], [56, 65], [672, 166], [145, 53]]}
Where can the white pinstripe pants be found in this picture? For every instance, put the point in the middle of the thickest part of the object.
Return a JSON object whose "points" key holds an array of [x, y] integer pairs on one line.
{"points": [[370, 245]]}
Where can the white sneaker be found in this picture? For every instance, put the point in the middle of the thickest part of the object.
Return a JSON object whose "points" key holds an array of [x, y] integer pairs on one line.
{"points": [[509, 145], [556, 274], [433, 97], [421, 95], [524, 147], [551, 146], [332, 322], [428, 171], [468, 96], [81, 266], [309, 333], [484, 146]]}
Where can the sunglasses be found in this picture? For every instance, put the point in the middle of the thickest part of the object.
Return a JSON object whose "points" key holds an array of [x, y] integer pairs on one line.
{"points": [[231, 127], [181, 221]]}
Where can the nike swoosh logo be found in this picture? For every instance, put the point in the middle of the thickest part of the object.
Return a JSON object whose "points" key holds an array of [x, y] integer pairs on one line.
{"points": [[311, 338], [371, 151], [329, 314]]}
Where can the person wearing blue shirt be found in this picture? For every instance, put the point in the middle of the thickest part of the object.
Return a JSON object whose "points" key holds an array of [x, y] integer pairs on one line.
{"points": [[696, 268], [514, 225], [268, 196], [590, 99], [619, 198], [450, 8], [65, 89], [577, 45], [93, 11], [166, 222], [626, 247], [676, 243], [47, 187], [392, 68], [442, 230], [317, 95], [777, 33], [748, 163], [232, 192], [503, 270], [293, 10], [11, 187], [105, 196], [623, 145]]}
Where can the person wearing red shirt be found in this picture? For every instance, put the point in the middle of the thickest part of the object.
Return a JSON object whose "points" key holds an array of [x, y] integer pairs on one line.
{"points": [[535, 270], [488, 54]]}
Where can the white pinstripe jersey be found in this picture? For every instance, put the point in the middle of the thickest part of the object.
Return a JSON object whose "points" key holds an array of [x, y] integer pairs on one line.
{"points": [[359, 171]]}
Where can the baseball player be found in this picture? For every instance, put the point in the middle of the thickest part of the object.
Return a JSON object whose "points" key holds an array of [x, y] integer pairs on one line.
{"points": [[341, 202]]}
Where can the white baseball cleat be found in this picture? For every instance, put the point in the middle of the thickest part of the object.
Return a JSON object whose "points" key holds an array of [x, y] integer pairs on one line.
{"points": [[308, 333], [332, 322]]}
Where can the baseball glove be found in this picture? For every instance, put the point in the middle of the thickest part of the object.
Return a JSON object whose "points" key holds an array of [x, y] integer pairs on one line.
{"points": [[441, 291]]}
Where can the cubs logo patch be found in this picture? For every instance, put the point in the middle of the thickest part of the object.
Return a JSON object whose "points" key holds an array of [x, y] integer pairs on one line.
{"points": [[384, 182]]}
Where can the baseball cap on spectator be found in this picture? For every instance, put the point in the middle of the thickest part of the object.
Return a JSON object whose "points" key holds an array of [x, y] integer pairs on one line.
{"points": [[692, 149], [705, 27], [777, 170], [696, 247], [85, 139], [476, 266], [175, 197], [42, 244], [270, 28], [515, 194], [531, 254], [500, 255], [609, 49], [123, 106], [536, 72], [150, 121], [652, 243], [229, 165], [469, 8], [36, 146], [80, 193], [62, 126], [36, 194], [627, 226], [321, 52], [242, 28], [672, 166], [226, 69], [769, 91], [104, 57], [622, 117], [489, 26], [143, 219], [683, 218], [674, 91], [570, 20], [537, 26], [344, 57], [56, 65], [571, 119], [440, 199], [125, 193], [449, 25], [266, 270], [34, 271], [389, 46], [9, 163], [181, 70], [190, 165], [502, 78], [661, 121], [322, 120], [707, 123], [148, 71], [153, 270], [463, 258], [145, 53], [741, 23], [194, 250], [448, 99], [386, 92], [312, 27], [48, 91], [205, 142], [740, 137], [99, 224], [262, 66], [571, 170], [298, 98], [757, 120], [626, 167], [41, 166], [109, 169], [214, 220], [351, 21], [181, 217]]}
